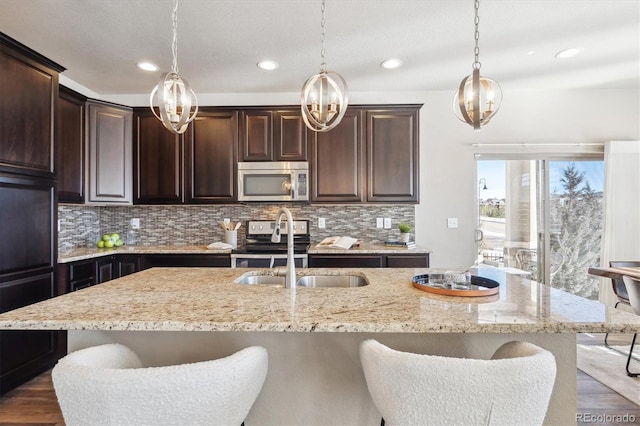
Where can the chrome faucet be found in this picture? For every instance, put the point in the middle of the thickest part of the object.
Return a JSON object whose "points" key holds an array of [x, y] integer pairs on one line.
{"points": [[290, 277]]}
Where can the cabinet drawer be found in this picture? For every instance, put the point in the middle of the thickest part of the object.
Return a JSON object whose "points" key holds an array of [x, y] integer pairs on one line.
{"points": [[408, 261], [347, 261]]}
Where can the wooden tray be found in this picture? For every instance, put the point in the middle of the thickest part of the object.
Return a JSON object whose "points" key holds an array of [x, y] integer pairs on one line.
{"points": [[480, 286]]}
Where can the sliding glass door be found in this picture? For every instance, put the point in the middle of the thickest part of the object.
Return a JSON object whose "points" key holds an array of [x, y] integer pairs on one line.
{"points": [[542, 218]]}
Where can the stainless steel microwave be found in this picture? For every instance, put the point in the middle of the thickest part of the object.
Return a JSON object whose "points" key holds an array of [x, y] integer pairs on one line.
{"points": [[273, 181]]}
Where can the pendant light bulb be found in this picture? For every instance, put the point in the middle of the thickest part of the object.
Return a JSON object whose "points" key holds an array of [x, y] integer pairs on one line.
{"points": [[172, 95], [324, 97], [478, 98]]}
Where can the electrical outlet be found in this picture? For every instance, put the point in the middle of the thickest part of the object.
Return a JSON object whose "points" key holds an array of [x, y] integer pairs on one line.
{"points": [[387, 223], [226, 220], [135, 223], [452, 222], [379, 223], [321, 223]]}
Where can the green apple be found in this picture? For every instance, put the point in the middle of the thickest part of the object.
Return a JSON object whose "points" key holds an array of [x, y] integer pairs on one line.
{"points": [[115, 237], [108, 243], [100, 244], [106, 237], [119, 242]]}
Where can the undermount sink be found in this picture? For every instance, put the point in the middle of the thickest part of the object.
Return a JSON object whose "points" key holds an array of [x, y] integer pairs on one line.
{"points": [[318, 281], [332, 281], [261, 280]]}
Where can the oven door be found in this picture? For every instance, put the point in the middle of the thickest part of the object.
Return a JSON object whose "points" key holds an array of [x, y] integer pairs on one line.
{"points": [[265, 260]]}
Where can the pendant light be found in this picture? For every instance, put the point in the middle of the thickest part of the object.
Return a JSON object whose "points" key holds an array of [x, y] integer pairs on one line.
{"points": [[173, 94], [324, 96], [478, 98]]}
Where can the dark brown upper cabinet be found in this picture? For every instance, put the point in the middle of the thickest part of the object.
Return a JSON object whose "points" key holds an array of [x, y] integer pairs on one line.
{"points": [[337, 161], [70, 146], [211, 157], [256, 135], [109, 153], [291, 135], [157, 161], [392, 154], [28, 101], [273, 134]]}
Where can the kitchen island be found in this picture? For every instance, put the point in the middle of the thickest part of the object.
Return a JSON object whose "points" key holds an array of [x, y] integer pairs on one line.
{"points": [[172, 315]]}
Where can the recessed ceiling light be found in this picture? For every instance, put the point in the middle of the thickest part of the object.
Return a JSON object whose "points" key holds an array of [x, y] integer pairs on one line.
{"points": [[391, 64], [531, 52], [267, 65], [147, 66], [568, 53]]}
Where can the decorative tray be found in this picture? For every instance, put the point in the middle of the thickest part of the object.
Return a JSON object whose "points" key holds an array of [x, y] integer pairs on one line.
{"points": [[479, 286]]}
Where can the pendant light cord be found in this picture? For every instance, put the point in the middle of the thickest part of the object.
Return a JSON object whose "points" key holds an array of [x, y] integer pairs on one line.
{"points": [[476, 50], [174, 45], [323, 65]]}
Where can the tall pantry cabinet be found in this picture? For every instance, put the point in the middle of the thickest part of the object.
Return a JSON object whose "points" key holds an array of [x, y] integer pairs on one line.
{"points": [[28, 213]]}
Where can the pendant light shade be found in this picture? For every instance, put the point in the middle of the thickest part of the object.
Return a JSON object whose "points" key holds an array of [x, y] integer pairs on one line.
{"points": [[324, 96], [173, 96], [478, 98], [324, 101]]}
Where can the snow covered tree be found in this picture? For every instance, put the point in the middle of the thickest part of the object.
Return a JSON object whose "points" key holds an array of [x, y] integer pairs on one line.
{"points": [[576, 216]]}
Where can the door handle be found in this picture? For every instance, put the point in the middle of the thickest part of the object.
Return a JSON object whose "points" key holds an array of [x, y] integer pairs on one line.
{"points": [[479, 235]]}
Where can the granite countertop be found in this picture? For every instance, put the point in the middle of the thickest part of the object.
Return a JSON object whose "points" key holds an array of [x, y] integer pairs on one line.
{"points": [[368, 249], [93, 252], [206, 299]]}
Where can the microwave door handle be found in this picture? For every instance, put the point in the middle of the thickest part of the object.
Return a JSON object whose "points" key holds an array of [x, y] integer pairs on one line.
{"points": [[293, 188], [289, 185]]}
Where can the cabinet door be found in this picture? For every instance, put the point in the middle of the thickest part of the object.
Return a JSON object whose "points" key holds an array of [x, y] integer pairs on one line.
{"points": [[407, 261], [336, 161], [104, 270], [25, 354], [28, 99], [256, 135], [126, 265], [290, 136], [27, 217], [345, 261], [157, 161], [392, 155], [69, 148], [109, 153], [211, 142]]}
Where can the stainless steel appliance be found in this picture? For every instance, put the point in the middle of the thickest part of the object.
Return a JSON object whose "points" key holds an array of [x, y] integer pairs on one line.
{"points": [[260, 252], [273, 181]]}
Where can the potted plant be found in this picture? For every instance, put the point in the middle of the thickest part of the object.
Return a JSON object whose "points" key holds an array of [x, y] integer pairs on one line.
{"points": [[404, 232]]}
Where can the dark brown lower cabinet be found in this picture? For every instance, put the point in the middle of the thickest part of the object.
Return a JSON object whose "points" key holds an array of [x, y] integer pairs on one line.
{"points": [[27, 258], [419, 260], [74, 276]]}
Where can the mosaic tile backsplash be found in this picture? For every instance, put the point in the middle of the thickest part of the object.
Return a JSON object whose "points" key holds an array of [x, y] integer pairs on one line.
{"points": [[82, 226]]}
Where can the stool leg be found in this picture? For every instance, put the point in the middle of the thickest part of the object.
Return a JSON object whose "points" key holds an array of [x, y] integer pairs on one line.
{"points": [[633, 342], [382, 421]]}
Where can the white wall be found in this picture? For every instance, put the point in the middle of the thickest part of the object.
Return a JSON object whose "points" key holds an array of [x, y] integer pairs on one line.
{"points": [[447, 164]]}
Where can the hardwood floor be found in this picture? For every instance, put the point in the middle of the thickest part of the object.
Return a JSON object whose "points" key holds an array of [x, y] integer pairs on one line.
{"points": [[596, 399], [34, 403]]}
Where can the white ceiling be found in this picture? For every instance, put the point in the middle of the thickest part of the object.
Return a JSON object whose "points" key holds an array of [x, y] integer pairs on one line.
{"points": [[220, 42]]}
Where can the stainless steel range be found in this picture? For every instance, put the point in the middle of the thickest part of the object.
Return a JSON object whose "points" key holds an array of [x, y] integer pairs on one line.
{"points": [[260, 252]]}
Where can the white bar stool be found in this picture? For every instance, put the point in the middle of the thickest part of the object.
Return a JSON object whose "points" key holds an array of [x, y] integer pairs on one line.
{"points": [[514, 387], [107, 385]]}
